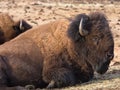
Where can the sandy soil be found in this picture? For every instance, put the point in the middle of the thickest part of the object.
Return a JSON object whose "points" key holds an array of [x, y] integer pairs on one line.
{"points": [[36, 13]]}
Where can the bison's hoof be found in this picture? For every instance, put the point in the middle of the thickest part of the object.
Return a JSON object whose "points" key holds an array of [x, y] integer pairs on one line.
{"points": [[29, 87], [51, 85]]}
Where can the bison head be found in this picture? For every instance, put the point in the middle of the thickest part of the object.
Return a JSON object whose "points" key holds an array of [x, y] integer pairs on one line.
{"points": [[92, 36]]}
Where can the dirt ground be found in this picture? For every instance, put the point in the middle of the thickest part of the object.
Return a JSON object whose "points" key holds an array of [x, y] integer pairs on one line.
{"points": [[37, 12]]}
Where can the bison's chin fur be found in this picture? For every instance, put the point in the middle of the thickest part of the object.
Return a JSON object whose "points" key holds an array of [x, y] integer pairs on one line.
{"points": [[60, 53]]}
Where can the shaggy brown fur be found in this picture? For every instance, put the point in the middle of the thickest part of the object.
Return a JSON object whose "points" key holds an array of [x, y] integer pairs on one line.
{"points": [[9, 28], [57, 53]]}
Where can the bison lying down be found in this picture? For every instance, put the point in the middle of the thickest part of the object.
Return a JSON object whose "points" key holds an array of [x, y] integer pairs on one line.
{"points": [[60, 53], [10, 29]]}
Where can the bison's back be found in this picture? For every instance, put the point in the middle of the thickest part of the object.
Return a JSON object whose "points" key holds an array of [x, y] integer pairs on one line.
{"points": [[49, 36]]}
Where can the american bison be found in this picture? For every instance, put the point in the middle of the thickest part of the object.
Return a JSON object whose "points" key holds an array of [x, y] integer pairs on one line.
{"points": [[60, 53], [10, 28]]}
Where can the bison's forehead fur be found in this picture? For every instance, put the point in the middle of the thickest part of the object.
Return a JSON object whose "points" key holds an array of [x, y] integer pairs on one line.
{"points": [[97, 26], [100, 33]]}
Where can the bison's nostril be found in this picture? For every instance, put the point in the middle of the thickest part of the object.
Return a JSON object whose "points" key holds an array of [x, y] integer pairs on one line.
{"points": [[110, 56]]}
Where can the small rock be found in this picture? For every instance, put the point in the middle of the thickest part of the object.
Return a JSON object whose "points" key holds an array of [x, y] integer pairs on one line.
{"points": [[117, 23], [27, 7], [118, 20], [34, 22], [42, 10], [117, 36], [49, 7]]}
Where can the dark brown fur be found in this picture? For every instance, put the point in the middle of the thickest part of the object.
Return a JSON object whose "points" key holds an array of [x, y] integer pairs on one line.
{"points": [[10, 28], [57, 53]]}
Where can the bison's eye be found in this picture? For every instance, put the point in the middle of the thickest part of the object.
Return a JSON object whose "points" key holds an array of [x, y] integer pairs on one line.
{"points": [[96, 40]]}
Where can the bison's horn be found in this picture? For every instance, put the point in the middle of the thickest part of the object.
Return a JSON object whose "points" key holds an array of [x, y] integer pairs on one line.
{"points": [[21, 25], [81, 30], [81, 27]]}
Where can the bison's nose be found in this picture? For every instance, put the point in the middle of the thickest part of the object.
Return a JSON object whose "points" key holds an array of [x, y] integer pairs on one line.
{"points": [[110, 56]]}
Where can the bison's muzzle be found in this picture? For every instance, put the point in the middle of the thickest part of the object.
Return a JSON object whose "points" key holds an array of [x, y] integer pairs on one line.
{"points": [[103, 67]]}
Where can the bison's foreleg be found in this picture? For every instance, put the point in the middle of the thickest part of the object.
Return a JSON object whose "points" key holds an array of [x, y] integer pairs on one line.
{"points": [[58, 77], [51, 84], [3, 78]]}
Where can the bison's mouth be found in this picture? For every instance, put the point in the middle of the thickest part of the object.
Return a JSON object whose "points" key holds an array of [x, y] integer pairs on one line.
{"points": [[102, 68]]}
